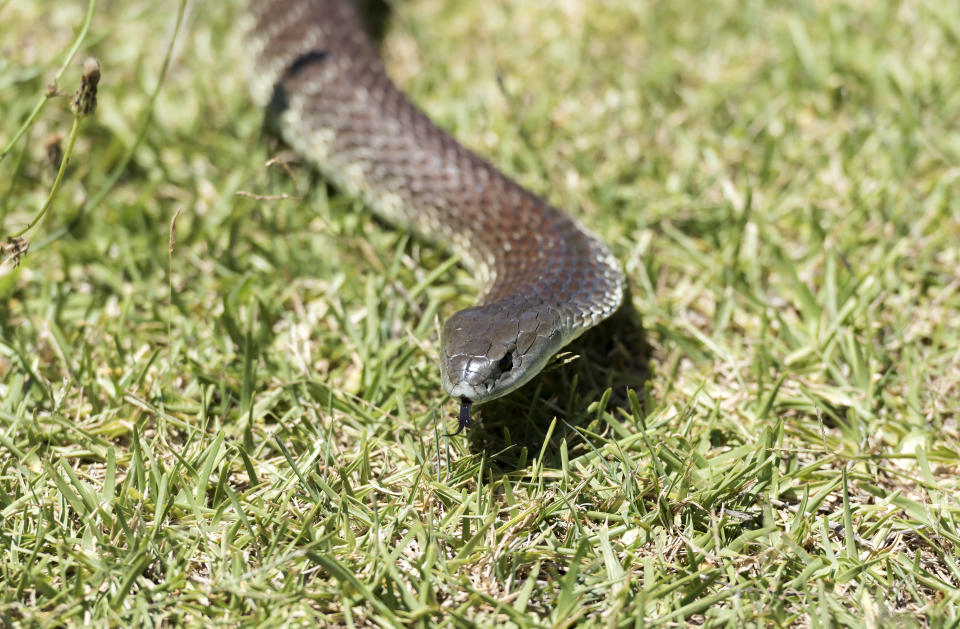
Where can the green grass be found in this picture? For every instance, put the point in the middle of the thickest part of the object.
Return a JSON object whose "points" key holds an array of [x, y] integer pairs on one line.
{"points": [[248, 427]]}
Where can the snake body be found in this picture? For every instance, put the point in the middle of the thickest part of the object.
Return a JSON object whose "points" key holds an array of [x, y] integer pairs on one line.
{"points": [[545, 279]]}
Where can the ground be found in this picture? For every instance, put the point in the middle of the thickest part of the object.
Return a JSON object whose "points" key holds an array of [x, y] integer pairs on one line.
{"points": [[219, 394]]}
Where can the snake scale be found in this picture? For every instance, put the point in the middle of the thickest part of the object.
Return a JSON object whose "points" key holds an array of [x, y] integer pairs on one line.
{"points": [[545, 279]]}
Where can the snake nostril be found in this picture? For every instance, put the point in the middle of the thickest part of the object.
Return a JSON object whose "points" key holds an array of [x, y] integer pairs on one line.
{"points": [[506, 363]]}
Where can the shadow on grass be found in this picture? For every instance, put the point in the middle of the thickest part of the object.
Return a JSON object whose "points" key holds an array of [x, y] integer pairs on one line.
{"points": [[613, 356], [376, 17]]}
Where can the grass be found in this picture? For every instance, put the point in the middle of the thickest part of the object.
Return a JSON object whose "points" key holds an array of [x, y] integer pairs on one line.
{"points": [[237, 418]]}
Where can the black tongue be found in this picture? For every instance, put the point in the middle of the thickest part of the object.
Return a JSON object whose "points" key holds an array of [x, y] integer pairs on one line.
{"points": [[464, 416]]}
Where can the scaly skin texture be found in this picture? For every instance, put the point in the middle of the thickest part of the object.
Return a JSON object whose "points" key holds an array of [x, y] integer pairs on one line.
{"points": [[545, 279]]}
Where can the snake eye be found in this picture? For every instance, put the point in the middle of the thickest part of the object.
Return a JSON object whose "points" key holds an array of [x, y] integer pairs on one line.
{"points": [[506, 363]]}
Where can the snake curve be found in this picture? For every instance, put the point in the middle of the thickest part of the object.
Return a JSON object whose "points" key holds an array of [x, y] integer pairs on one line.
{"points": [[545, 279]]}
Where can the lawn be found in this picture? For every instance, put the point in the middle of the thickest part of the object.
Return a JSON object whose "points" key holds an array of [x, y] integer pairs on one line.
{"points": [[219, 392]]}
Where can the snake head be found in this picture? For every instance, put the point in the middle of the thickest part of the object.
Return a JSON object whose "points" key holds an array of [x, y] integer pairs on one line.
{"points": [[490, 350]]}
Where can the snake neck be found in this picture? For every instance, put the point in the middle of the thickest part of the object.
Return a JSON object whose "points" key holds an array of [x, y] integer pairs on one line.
{"points": [[329, 94]]}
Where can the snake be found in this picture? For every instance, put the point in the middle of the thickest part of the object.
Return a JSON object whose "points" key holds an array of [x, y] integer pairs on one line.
{"points": [[544, 278]]}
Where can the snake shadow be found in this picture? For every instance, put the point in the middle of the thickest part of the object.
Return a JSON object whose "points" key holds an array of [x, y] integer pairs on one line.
{"points": [[614, 356]]}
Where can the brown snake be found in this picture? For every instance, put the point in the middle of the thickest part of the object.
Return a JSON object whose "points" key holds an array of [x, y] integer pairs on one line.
{"points": [[545, 279]]}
